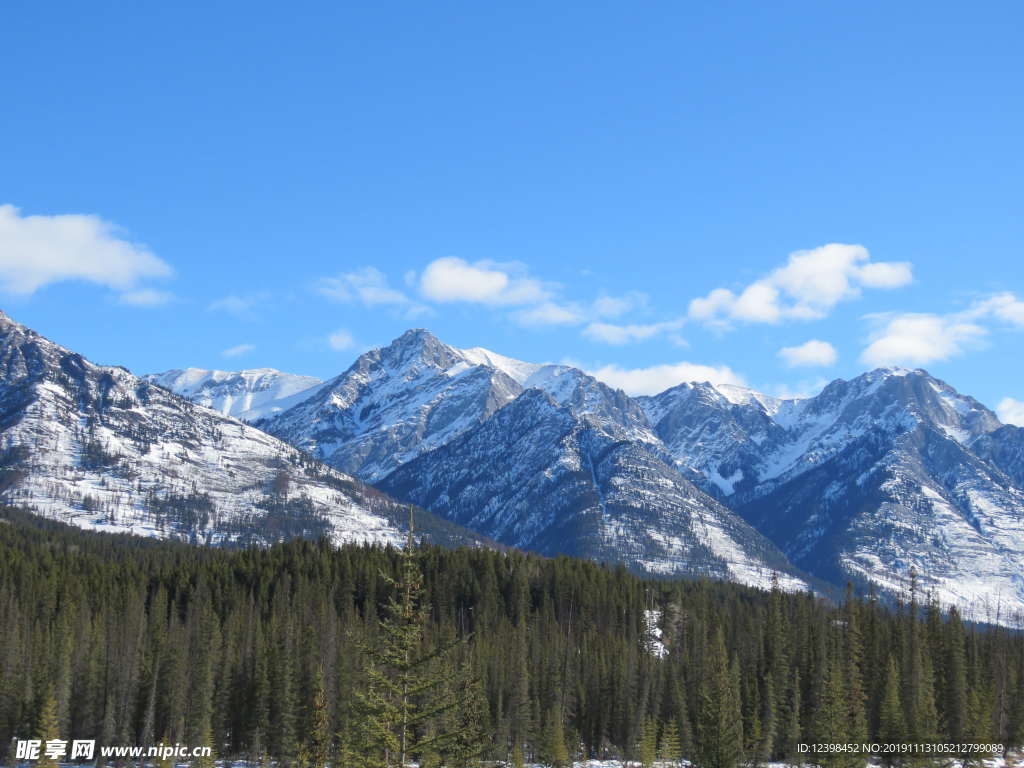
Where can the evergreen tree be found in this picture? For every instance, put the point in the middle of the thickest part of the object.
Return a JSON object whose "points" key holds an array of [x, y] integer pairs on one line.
{"points": [[282, 737], [555, 753], [954, 692], [205, 760], [891, 725], [402, 684], [926, 728], [648, 749], [792, 731], [468, 734], [317, 748], [669, 746], [831, 717], [856, 696], [764, 749], [47, 729], [720, 733]]}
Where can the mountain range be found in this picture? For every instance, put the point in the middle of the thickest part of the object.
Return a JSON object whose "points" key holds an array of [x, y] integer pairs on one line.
{"points": [[890, 473], [101, 448]]}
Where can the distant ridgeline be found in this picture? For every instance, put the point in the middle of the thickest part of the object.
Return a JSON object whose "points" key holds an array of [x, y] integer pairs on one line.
{"points": [[258, 652]]}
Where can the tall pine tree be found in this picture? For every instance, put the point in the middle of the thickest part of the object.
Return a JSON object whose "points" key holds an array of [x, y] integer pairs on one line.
{"points": [[720, 731]]}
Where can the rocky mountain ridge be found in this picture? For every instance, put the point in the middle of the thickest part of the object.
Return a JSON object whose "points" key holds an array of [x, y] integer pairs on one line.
{"points": [[101, 448]]}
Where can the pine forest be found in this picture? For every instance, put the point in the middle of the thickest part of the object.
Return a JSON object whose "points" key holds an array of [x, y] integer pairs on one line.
{"points": [[305, 654]]}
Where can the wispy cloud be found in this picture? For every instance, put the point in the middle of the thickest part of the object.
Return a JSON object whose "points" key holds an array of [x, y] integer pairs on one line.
{"points": [[618, 335], [242, 307], [550, 313], [146, 297], [919, 338], [36, 251], [507, 287], [617, 306], [369, 287], [340, 340], [238, 351], [807, 287], [811, 353]]}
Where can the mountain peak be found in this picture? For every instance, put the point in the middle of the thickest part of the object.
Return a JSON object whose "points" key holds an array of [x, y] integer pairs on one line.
{"points": [[101, 448], [249, 394], [416, 345], [415, 335]]}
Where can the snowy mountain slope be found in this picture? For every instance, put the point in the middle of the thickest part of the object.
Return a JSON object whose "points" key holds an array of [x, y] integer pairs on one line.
{"points": [[720, 438], [539, 476], [99, 447], [418, 400], [606, 409], [248, 395], [836, 481], [891, 471], [919, 500], [393, 404], [417, 394], [1003, 448]]}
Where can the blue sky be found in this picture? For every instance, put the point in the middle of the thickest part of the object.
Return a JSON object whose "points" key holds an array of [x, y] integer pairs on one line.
{"points": [[241, 185]]}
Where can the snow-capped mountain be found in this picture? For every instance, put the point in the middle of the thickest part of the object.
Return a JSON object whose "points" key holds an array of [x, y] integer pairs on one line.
{"points": [[539, 476], [873, 477], [888, 473], [416, 394], [99, 447], [248, 395], [543, 457], [396, 403]]}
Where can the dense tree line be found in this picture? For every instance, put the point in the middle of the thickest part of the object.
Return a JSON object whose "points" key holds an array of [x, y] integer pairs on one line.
{"points": [[303, 652]]}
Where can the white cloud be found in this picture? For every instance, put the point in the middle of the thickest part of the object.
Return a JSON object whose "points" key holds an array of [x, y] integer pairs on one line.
{"points": [[909, 338], [451, 279], [574, 313], [38, 250], [550, 313], [1003, 306], [813, 352], [368, 285], [658, 378], [617, 335], [919, 338], [886, 274], [807, 287], [145, 297], [493, 284], [340, 340], [616, 306], [238, 351], [239, 306], [1011, 411]]}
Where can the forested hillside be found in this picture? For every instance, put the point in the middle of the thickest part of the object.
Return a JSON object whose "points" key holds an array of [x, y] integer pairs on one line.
{"points": [[265, 652]]}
